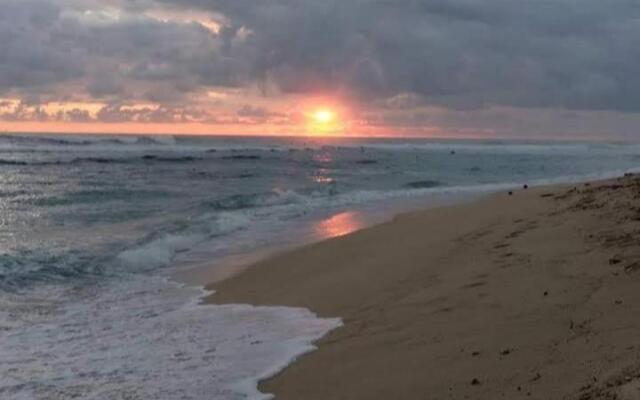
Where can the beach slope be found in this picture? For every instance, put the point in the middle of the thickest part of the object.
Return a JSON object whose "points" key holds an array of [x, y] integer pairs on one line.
{"points": [[534, 295]]}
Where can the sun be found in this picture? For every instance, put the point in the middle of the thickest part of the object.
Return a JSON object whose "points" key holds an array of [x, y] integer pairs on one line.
{"points": [[324, 119], [324, 116]]}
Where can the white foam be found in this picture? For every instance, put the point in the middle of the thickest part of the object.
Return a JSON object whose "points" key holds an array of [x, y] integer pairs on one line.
{"points": [[225, 223], [147, 338], [160, 252]]}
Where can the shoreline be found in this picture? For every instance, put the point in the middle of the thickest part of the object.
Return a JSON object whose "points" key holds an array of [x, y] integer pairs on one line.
{"points": [[335, 225], [488, 299], [206, 274]]}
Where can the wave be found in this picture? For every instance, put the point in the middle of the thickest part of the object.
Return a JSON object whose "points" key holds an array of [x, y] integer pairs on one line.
{"points": [[265, 199], [242, 157], [102, 160], [159, 252], [27, 140], [309, 200], [366, 162], [90, 196], [23, 267], [422, 184], [13, 162], [151, 157]]}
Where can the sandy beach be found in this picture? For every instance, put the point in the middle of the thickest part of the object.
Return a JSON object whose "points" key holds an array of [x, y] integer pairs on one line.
{"points": [[531, 295]]}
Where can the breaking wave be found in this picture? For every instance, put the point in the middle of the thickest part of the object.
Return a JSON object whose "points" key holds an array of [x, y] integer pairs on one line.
{"points": [[85, 141], [159, 251], [102, 160]]}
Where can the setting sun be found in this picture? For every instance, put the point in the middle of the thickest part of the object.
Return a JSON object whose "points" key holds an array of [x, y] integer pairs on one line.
{"points": [[324, 120], [324, 116]]}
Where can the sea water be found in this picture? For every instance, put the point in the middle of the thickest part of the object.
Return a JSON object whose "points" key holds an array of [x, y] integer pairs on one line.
{"points": [[92, 227]]}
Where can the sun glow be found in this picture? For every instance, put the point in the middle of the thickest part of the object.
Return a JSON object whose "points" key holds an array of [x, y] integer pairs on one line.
{"points": [[323, 121], [324, 116]]}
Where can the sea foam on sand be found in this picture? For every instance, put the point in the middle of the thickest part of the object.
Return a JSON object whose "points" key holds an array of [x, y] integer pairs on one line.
{"points": [[150, 338]]}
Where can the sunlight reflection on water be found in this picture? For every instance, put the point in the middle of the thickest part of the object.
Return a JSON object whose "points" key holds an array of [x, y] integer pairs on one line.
{"points": [[339, 225]]}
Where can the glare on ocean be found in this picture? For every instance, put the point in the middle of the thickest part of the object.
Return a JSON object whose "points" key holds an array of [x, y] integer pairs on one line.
{"points": [[339, 225]]}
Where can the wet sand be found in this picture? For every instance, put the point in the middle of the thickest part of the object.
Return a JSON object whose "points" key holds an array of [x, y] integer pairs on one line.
{"points": [[534, 296]]}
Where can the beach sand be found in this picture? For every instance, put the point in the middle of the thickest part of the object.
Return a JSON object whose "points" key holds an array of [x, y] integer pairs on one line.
{"points": [[534, 295]]}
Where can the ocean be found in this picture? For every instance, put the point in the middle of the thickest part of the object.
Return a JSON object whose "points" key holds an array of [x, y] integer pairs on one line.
{"points": [[94, 227]]}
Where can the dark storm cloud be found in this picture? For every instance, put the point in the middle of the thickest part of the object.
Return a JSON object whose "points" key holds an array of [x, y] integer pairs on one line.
{"points": [[126, 56], [457, 53], [29, 56]]}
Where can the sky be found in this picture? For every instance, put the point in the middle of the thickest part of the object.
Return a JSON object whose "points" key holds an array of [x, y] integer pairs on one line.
{"points": [[557, 69]]}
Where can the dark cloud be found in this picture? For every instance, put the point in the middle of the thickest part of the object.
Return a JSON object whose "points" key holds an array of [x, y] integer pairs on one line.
{"points": [[404, 101], [109, 53], [29, 55], [463, 54]]}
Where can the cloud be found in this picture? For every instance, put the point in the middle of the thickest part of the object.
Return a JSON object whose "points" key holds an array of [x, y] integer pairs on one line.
{"points": [[30, 57], [103, 113], [248, 114], [53, 48], [255, 112], [74, 115], [117, 113], [466, 58], [404, 101], [463, 54]]}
